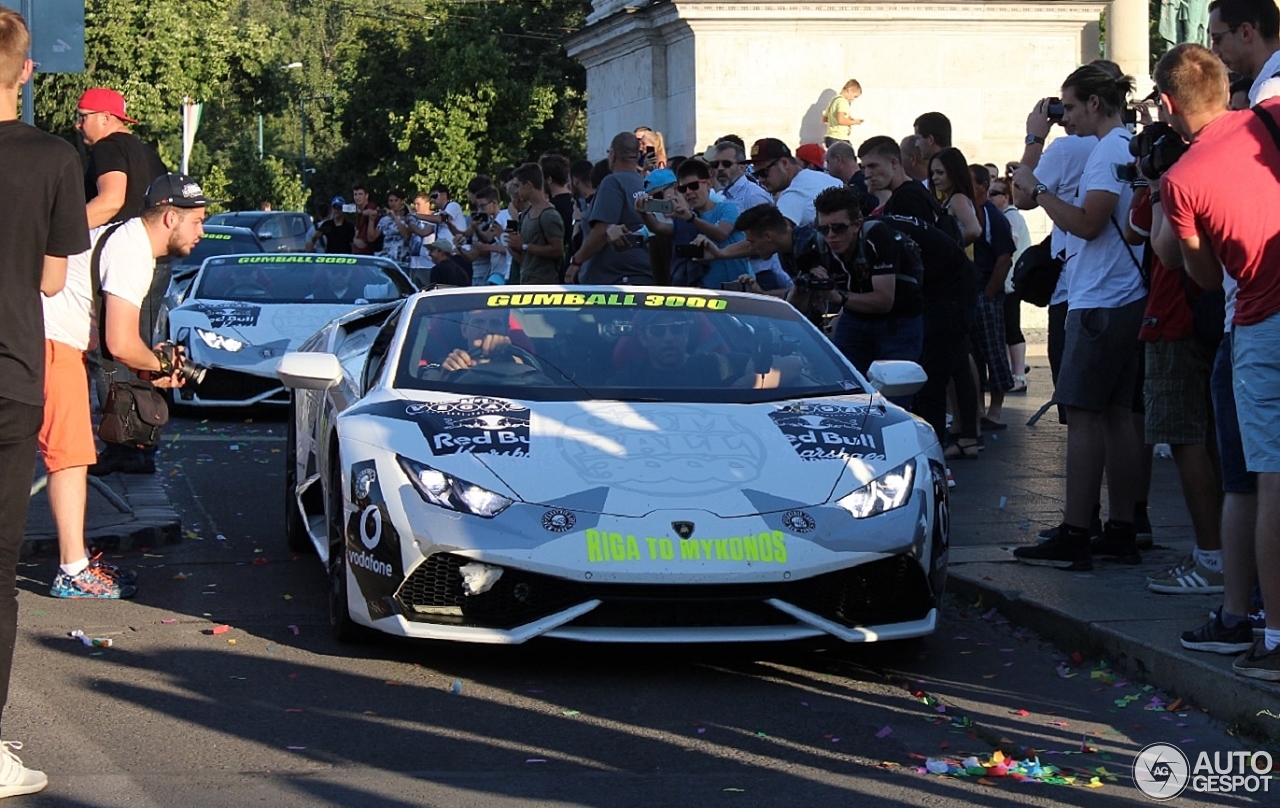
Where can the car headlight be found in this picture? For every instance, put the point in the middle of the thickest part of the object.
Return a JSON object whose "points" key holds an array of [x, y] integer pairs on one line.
{"points": [[440, 489], [219, 342], [883, 494]]}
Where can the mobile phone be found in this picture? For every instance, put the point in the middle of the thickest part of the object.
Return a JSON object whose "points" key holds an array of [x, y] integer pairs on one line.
{"points": [[1125, 172], [659, 206], [650, 151], [694, 251], [512, 226], [733, 286]]}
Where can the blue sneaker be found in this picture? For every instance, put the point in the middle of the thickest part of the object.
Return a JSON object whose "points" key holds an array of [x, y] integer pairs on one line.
{"points": [[90, 583], [120, 576]]}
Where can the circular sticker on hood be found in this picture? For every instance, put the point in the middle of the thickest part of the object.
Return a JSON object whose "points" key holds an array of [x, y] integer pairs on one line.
{"points": [[558, 520], [798, 521]]}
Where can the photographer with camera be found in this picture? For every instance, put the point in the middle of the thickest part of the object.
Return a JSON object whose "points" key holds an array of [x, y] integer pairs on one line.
{"points": [[1106, 298], [864, 273], [483, 243], [170, 225], [699, 227], [1217, 227]]}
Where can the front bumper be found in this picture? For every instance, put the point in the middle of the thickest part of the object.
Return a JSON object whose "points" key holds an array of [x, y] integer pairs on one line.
{"points": [[230, 388]]}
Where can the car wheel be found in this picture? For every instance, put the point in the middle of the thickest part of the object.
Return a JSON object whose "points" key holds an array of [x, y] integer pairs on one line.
{"points": [[340, 623], [295, 527]]}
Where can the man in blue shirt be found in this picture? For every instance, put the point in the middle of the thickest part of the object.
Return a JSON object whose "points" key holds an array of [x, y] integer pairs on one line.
{"points": [[696, 219]]}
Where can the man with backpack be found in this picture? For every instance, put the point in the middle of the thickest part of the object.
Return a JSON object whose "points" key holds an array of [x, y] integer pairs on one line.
{"points": [[873, 274], [882, 163]]}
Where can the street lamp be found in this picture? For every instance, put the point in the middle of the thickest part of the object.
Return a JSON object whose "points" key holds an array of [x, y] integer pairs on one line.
{"points": [[302, 110], [290, 66]]}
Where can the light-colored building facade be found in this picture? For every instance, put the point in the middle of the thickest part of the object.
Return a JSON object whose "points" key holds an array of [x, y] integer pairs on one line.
{"points": [[698, 69]]}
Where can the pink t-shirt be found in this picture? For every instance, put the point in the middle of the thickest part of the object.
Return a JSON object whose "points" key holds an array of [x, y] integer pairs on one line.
{"points": [[1227, 188]]}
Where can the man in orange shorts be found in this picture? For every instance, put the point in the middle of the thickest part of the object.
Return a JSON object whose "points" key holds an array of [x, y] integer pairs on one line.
{"points": [[66, 437]]}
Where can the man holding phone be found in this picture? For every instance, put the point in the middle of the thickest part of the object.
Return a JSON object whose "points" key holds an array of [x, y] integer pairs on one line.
{"points": [[538, 238], [697, 222]]}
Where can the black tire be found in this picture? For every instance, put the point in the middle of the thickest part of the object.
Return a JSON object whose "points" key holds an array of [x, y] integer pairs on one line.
{"points": [[345, 630], [295, 527]]}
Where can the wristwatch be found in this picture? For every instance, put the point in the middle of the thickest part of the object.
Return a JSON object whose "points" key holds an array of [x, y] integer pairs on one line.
{"points": [[1039, 189], [1034, 139], [524, 247]]}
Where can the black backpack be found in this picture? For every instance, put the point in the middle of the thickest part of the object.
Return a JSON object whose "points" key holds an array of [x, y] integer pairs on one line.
{"points": [[911, 267]]}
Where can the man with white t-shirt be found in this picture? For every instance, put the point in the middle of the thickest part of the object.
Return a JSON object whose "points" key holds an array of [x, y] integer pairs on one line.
{"points": [[171, 224], [1246, 36], [793, 187], [1105, 300]]}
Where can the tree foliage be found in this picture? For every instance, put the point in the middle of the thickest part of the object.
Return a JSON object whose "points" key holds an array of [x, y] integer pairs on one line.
{"points": [[398, 93]]}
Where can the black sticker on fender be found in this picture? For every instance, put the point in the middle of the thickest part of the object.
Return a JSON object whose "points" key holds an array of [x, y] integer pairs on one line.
{"points": [[830, 431], [230, 314], [474, 426], [373, 546]]}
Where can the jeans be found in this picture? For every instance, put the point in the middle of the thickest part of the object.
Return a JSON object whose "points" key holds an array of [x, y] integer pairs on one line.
{"points": [[1236, 477], [19, 426], [946, 345], [867, 339]]}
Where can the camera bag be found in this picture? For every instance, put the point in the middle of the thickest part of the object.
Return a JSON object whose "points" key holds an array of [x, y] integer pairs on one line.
{"points": [[1036, 274], [135, 411]]}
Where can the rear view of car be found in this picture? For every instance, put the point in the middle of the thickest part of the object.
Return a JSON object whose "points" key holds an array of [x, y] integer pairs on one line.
{"points": [[278, 230]]}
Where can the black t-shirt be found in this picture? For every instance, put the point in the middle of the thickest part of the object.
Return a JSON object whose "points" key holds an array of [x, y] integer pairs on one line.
{"points": [[450, 273], [563, 203], [41, 213], [124, 152], [337, 237], [880, 253], [914, 200], [948, 273]]}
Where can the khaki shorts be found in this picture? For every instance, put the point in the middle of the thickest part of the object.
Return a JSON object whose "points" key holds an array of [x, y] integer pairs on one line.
{"points": [[66, 436], [1176, 392]]}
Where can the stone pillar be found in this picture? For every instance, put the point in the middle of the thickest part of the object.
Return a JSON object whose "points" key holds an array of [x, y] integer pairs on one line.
{"points": [[1128, 38]]}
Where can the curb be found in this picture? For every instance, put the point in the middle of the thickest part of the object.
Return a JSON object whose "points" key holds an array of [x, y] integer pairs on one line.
{"points": [[1248, 704]]}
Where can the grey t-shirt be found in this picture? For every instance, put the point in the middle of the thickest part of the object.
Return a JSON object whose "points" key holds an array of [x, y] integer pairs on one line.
{"points": [[615, 204]]}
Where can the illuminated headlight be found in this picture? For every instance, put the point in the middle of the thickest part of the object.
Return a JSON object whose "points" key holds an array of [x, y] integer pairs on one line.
{"points": [[219, 342], [883, 494], [440, 489]]}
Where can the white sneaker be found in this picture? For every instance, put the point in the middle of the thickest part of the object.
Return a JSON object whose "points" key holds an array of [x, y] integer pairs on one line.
{"points": [[16, 779], [1195, 581]]}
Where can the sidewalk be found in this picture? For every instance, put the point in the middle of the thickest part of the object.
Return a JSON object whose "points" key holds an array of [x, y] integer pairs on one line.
{"points": [[124, 512], [1107, 613]]}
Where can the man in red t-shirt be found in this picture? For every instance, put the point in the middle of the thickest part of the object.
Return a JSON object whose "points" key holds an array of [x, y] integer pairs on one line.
{"points": [[368, 238], [1235, 224]]}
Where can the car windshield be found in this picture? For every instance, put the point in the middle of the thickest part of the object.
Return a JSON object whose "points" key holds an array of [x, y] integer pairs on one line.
{"points": [[234, 219], [284, 278], [620, 343]]}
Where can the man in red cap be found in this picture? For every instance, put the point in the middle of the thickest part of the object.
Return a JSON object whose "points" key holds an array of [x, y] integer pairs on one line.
{"points": [[813, 155], [120, 165]]}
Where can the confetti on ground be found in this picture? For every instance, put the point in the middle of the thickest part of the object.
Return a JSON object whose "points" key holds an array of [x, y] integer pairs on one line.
{"points": [[288, 597], [885, 733], [220, 537], [570, 712], [456, 688], [292, 628], [223, 629], [260, 561], [295, 748], [736, 790], [231, 642], [391, 682], [169, 620], [536, 760], [182, 576], [294, 710]]}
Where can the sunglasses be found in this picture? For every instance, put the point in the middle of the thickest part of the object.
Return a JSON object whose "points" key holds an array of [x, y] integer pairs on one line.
{"points": [[690, 186], [434, 196], [834, 227], [764, 172], [661, 330], [723, 163], [997, 192], [81, 117], [1217, 38]]}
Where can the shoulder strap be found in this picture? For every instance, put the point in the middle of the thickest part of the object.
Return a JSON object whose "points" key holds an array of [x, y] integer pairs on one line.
{"points": [[95, 281], [1269, 122], [1127, 247]]}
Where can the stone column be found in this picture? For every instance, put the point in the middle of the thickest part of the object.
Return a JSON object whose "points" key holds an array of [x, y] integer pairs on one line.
{"points": [[1128, 38]]}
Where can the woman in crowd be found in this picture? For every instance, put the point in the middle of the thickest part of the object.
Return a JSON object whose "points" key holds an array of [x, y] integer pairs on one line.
{"points": [[999, 194]]}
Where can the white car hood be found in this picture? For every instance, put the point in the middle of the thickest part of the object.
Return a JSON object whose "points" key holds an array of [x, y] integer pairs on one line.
{"points": [[268, 330], [630, 459]]}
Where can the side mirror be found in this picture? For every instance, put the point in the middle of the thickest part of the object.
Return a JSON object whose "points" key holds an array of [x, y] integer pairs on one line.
{"points": [[309, 371], [895, 378]]}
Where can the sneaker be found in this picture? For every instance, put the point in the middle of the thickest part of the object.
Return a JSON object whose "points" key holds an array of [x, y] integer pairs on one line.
{"points": [[15, 778], [1186, 563], [1214, 637], [1259, 663], [1095, 529], [1257, 621], [1056, 552], [120, 576], [1194, 581], [951, 480], [1117, 543], [91, 583]]}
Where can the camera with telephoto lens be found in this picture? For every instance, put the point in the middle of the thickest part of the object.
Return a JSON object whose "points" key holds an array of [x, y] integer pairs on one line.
{"points": [[1157, 147], [167, 353], [806, 282]]}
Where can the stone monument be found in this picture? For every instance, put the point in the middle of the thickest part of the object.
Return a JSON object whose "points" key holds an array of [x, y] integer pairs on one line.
{"points": [[699, 69]]}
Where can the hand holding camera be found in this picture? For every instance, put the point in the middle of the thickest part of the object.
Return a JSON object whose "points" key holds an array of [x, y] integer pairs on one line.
{"points": [[175, 370], [650, 205], [1040, 121]]}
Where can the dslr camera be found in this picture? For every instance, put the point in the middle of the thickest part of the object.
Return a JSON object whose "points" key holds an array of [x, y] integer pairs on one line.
{"points": [[1156, 148], [1054, 110], [192, 373]]}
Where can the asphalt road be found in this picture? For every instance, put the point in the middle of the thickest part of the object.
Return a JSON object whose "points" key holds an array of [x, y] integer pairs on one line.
{"points": [[275, 712]]}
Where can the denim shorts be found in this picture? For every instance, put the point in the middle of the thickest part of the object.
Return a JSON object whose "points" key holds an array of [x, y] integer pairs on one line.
{"points": [[1236, 478], [1100, 361], [1255, 365]]}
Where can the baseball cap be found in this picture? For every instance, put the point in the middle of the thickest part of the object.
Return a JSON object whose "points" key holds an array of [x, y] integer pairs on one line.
{"points": [[660, 178], [442, 244], [337, 202], [102, 99], [178, 190], [812, 153], [768, 148]]}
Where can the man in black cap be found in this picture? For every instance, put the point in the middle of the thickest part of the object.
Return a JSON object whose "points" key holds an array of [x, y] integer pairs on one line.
{"points": [[782, 175]]}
